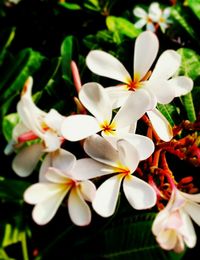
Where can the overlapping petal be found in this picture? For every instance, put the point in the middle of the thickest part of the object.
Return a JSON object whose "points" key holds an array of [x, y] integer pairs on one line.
{"points": [[88, 190], [161, 125], [106, 197], [26, 160], [79, 211], [139, 194], [182, 85]]}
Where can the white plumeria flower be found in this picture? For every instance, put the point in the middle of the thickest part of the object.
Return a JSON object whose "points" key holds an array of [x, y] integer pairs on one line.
{"points": [[34, 124], [173, 226], [56, 184], [121, 163], [164, 20], [149, 18], [94, 97], [161, 86]]}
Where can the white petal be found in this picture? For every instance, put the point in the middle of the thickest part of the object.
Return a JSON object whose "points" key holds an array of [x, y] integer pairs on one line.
{"points": [[162, 89], [143, 145], [139, 24], [54, 120], [117, 95], [79, 211], [167, 239], [26, 160], [160, 125], [136, 105], [101, 150], [88, 168], [19, 129], [192, 197], [166, 12], [63, 160], [88, 190], [129, 156], [78, 127], [52, 141], [167, 65], [139, 194], [146, 48], [106, 197], [193, 209], [155, 12], [44, 211], [104, 64], [160, 220], [94, 97], [139, 12], [40, 192], [56, 176], [187, 230], [182, 85]]}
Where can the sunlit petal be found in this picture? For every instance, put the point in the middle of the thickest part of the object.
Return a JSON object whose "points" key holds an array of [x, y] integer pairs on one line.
{"points": [[54, 120], [78, 127], [182, 85], [193, 209], [52, 141], [104, 64], [88, 190], [146, 49], [117, 95], [56, 176], [140, 12], [167, 65], [139, 24]]}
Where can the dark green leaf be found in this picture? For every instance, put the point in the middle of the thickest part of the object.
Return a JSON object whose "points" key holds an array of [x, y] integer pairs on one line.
{"points": [[92, 5], [170, 112], [70, 6]]}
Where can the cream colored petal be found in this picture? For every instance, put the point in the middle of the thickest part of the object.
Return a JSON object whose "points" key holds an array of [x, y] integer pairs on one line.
{"points": [[26, 160], [79, 211], [106, 197], [88, 190]]}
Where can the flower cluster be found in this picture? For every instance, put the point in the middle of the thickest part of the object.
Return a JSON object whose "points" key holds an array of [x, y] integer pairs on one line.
{"points": [[113, 148], [153, 19]]}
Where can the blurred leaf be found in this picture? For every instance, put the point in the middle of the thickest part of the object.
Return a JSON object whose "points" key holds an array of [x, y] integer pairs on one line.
{"points": [[70, 6], [9, 122], [4, 256], [178, 14], [92, 5], [195, 6], [122, 26], [6, 44], [12, 190]]}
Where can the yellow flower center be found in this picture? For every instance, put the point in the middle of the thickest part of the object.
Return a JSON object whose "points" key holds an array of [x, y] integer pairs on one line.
{"points": [[122, 169], [108, 128]]}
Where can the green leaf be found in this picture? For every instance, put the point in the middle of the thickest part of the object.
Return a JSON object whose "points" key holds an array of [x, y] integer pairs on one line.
{"points": [[70, 6], [67, 48], [170, 112], [9, 122], [179, 15], [122, 26], [190, 66], [92, 5], [25, 64], [129, 238], [12, 190], [190, 63], [195, 6], [4, 256]]}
